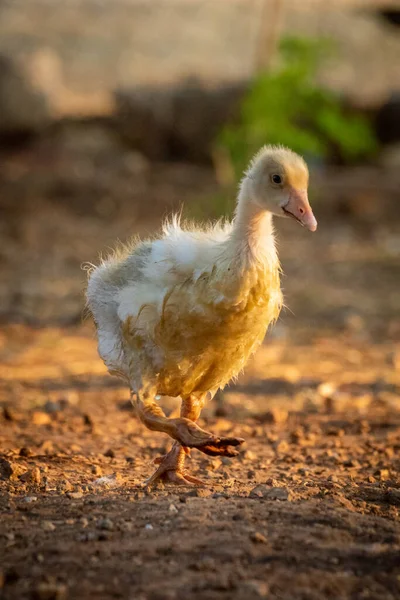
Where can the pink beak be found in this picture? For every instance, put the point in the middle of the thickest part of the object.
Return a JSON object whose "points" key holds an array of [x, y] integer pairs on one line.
{"points": [[299, 208]]}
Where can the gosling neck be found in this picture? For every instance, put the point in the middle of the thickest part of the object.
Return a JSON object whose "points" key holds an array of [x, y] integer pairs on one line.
{"points": [[253, 231]]}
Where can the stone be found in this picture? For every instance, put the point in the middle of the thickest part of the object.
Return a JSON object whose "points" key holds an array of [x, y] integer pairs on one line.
{"points": [[11, 470], [201, 492], [66, 486], [48, 526], [32, 476], [25, 452], [40, 418], [383, 474], [75, 495], [6, 469], [271, 493], [258, 538], [249, 455], [105, 524]]}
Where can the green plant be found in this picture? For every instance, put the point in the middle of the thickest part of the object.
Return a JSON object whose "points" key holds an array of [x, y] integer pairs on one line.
{"points": [[286, 106]]}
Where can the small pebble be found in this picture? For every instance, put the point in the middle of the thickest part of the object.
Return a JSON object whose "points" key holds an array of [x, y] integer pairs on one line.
{"points": [[48, 526], [32, 476], [6, 469], [74, 495], [109, 453], [105, 524], [149, 526], [25, 451], [66, 486], [383, 474], [200, 492], [258, 538], [40, 418], [249, 455], [172, 509], [271, 493]]}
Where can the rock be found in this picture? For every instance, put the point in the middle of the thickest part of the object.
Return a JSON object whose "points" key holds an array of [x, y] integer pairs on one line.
{"points": [[10, 470], [200, 492], [109, 453], [383, 474], [271, 482], [29, 499], [53, 407], [48, 526], [172, 509], [66, 486], [32, 476], [107, 481], [249, 455], [258, 538], [6, 469], [149, 527], [25, 452], [105, 524], [74, 495], [271, 493], [40, 418]]}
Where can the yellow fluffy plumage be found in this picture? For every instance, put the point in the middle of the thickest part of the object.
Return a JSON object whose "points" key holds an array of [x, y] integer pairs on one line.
{"points": [[180, 315]]}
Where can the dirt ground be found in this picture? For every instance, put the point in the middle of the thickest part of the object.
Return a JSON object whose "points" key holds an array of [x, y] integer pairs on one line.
{"points": [[310, 508]]}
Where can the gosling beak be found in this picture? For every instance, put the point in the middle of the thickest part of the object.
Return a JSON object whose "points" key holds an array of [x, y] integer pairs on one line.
{"points": [[299, 208]]}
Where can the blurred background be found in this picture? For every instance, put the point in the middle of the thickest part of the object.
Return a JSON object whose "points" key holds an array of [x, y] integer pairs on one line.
{"points": [[114, 114]]}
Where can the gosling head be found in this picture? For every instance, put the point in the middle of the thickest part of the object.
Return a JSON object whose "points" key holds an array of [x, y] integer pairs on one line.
{"points": [[277, 180]]}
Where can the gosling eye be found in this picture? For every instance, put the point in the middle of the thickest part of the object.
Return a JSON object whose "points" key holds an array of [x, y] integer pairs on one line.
{"points": [[277, 179]]}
